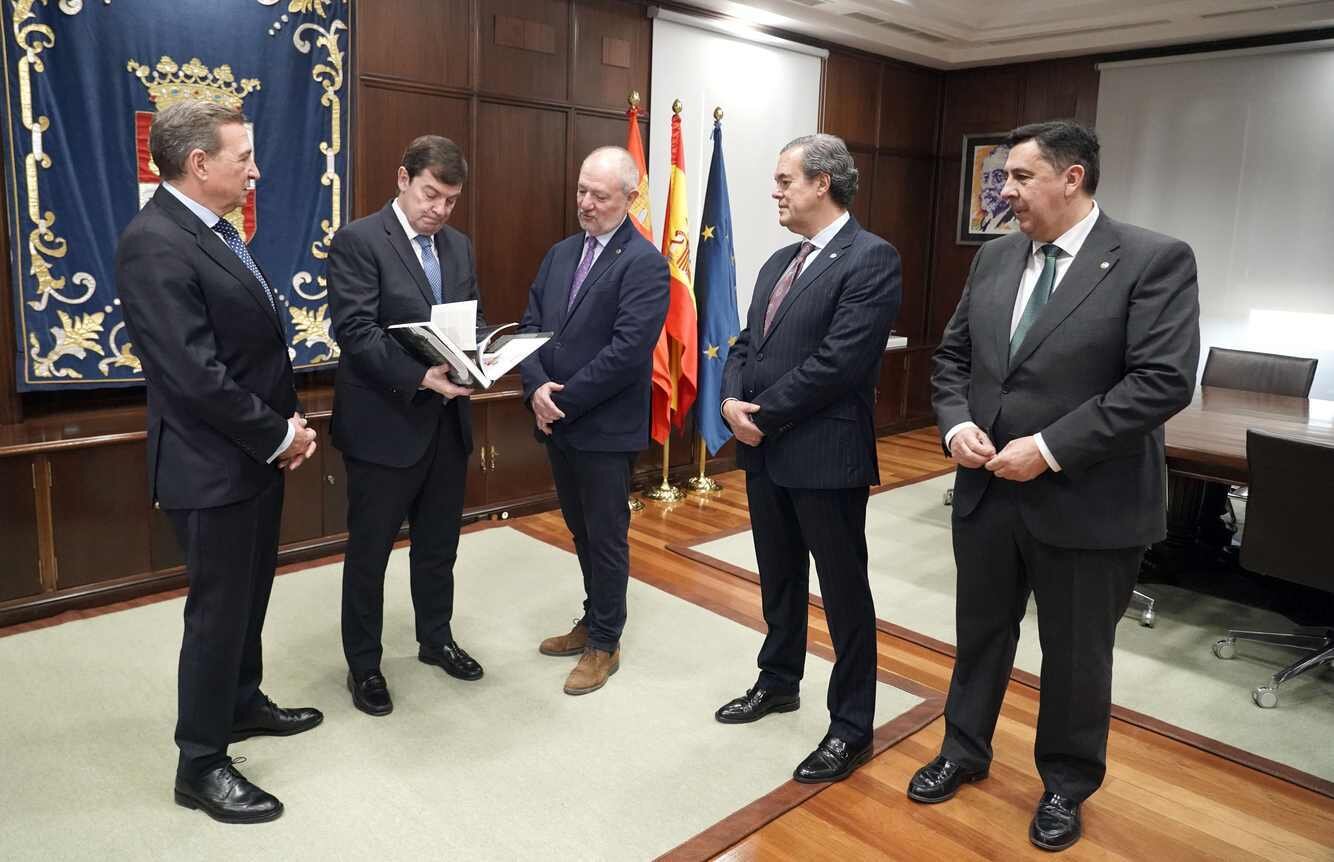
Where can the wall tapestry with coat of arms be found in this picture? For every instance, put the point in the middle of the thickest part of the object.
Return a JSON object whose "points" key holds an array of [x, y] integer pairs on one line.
{"points": [[83, 79]]}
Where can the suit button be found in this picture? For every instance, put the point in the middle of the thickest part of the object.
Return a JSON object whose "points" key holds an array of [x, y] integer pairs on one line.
{"points": [[1005, 390], [759, 357]]}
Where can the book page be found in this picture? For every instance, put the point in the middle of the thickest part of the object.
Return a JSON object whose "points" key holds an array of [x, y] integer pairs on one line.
{"points": [[458, 321]]}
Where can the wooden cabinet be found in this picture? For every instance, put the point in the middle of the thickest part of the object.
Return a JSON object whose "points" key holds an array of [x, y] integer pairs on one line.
{"points": [[99, 513], [20, 572], [516, 466]]}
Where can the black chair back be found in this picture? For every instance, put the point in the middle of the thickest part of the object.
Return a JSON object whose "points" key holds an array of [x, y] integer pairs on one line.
{"points": [[1290, 509], [1259, 372]]}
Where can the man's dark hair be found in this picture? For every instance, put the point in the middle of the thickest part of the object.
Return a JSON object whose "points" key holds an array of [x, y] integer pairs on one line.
{"points": [[827, 154], [183, 127], [441, 156], [1063, 143]]}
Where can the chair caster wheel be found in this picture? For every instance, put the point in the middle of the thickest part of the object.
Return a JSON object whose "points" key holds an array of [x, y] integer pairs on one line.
{"points": [[1265, 697], [1147, 618], [1225, 648]]}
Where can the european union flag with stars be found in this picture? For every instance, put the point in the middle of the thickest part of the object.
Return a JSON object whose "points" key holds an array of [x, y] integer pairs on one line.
{"points": [[715, 296]]}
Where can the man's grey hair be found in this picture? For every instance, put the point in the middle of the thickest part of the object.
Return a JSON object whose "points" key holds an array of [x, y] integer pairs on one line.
{"points": [[620, 161], [181, 128], [827, 154]]}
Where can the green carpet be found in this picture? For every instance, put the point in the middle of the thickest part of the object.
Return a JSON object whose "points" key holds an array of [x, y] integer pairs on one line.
{"points": [[1168, 672], [505, 768]]}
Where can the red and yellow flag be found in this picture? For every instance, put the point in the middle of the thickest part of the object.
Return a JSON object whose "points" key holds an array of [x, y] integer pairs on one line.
{"points": [[676, 358], [639, 210]]}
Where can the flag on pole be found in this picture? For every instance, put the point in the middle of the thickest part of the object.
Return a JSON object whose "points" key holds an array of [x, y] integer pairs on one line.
{"points": [[640, 215], [676, 358], [715, 291]]}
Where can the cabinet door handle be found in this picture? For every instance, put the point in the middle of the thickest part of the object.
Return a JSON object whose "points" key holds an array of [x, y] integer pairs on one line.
{"points": [[493, 457], [482, 449], [330, 478]]}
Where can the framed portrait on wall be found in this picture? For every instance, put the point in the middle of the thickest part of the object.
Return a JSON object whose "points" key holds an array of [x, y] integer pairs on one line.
{"points": [[983, 215]]}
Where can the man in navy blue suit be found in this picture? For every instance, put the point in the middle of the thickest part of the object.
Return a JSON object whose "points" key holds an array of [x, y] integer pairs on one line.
{"points": [[603, 292]]}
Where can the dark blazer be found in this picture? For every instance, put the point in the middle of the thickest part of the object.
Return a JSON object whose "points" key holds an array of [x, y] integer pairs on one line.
{"points": [[814, 373], [1111, 357], [214, 354], [376, 280], [602, 349]]}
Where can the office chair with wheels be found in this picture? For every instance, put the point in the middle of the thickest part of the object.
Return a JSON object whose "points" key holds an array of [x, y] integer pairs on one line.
{"points": [[1258, 372], [1286, 538]]}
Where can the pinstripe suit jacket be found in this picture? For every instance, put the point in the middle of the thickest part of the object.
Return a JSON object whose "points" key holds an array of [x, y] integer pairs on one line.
{"points": [[814, 372]]}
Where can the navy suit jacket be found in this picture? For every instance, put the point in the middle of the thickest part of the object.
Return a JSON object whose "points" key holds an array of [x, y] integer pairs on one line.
{"points": [[220, 384], [1110, 358], [814, 373], [602, 347], [376, 280]]}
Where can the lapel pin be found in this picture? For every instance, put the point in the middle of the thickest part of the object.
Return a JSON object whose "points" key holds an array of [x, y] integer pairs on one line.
{"points": [[1104, 265], [833, 254], [618, 251]]}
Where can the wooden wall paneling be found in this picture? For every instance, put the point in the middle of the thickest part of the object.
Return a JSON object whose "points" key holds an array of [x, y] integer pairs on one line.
{"points": [[901, 209], [517, 466], [610, 54], [100, 513], [862, 207], [525, 48], [852, 98], [889, 391], [918, 398], [909, 109], [950, 261], [1061, 89], [522, 199], [389, 118], [19, 570], [420, 40], [977, 101]]}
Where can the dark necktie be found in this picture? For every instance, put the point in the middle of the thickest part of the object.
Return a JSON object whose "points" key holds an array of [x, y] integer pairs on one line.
{"points": [[1041, 293], [431, 266], [229, 234], [585, 264], [785, 284]]}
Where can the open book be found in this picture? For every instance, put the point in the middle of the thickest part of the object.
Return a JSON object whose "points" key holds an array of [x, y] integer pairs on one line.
{"points": [[477, 357]]}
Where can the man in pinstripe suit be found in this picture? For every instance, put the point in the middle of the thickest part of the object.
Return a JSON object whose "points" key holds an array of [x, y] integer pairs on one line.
{"points": [[799, 394]]}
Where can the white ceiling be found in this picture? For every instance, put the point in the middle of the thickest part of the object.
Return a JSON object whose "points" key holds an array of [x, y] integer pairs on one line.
{"points": [[949, 34]]}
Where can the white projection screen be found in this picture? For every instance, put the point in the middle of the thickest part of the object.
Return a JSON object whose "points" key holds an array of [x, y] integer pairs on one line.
{"points": [[1234, 153], [769, 95]]}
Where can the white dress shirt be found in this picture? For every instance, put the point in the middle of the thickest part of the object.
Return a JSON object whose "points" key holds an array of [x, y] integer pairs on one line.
{"points": [[210, 218], [1069, 243], [416, 246]]}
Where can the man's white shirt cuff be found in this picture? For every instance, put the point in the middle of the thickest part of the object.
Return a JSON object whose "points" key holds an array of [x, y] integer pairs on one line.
{"points": [[287, 441], [949, 435], [1046, 453]]}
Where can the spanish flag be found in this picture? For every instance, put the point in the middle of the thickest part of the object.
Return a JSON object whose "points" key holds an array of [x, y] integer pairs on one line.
{"points": [[676, 358], [639, 210]]}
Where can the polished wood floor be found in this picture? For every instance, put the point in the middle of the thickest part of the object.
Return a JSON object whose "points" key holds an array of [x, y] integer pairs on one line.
{"points": [[1162, 799]]}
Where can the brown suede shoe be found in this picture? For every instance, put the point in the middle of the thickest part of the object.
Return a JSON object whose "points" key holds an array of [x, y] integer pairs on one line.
{"points": [[568, 644], [592, 671]]}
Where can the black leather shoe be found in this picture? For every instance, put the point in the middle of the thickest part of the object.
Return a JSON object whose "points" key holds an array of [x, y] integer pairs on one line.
{"points": [[450, 656], [832, 760], [1056, 823], [940, 780], [270, 719], [371, 695], [755, 704], [225, 795]]}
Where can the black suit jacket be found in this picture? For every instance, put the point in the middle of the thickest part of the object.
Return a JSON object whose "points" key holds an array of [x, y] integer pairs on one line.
{"points": [[814, 373], [215, 358], [602, 349], [1111, 357], [376, 280]]}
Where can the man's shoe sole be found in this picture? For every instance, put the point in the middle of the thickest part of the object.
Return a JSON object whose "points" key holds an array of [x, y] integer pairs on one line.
{"points": [[427, 660], [240, 736], [578, 691], [932, 800], [848, 770], [787, 707], [1056, 848], [187, 801]]}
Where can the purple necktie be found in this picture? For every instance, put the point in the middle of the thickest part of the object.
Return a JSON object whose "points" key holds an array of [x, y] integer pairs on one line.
{"points": [[785, 284], [590, 245]]}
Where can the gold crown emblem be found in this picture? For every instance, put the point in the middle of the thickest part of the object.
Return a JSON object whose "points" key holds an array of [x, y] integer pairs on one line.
{"points": [[170, 83]]}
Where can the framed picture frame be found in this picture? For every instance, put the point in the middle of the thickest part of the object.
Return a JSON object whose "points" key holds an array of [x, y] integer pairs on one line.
{"points": [[982, 213]]}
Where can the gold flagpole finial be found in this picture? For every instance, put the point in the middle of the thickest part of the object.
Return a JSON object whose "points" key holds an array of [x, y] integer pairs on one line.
{"points": [[718, 114], [677, 107], [633, 98]]}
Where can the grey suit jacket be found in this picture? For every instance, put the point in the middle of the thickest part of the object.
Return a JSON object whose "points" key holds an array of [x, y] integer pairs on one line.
{"points": [[1111, 358]]}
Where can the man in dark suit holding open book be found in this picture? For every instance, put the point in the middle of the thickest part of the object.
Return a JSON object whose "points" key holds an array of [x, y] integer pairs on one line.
{"points": [[404, 428]]}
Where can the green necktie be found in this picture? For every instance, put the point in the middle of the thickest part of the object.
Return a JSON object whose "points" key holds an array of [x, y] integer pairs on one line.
{"points": [[1041, 293]]}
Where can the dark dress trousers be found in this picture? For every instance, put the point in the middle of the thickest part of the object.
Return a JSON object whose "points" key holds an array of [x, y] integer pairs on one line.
{"points": [[1108, 360], [220, 391], [814, 375], [406, 449], [602, 353]]}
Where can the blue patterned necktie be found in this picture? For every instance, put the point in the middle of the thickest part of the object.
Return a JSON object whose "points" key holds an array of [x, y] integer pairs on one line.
{"points": [[431, 265], [1041, 293], [228, 232], [585, 264]]}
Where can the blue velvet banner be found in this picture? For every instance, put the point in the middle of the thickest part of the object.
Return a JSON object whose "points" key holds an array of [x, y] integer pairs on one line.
{"points": [[82, 81]]}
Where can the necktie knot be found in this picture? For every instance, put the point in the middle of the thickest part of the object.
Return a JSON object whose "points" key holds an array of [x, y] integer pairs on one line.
{"points": [[1050, 251], [423, 241]]}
